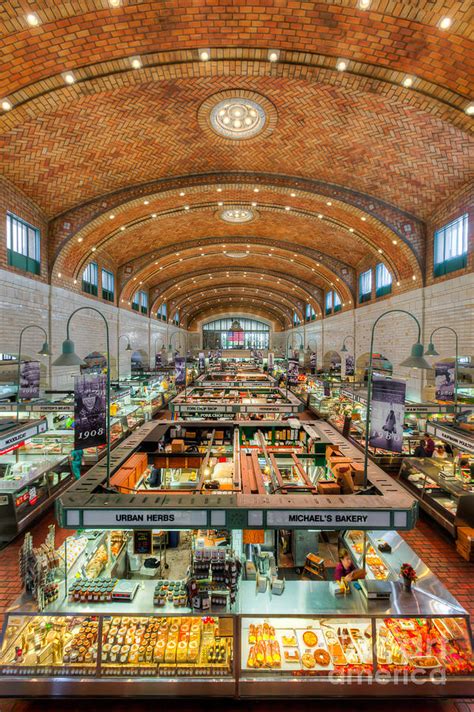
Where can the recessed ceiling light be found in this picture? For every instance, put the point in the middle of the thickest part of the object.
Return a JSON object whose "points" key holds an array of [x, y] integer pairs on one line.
{"points": [[59, 274], [273, 55], [136, 62], [445, 23], [6, 105], [219, 190], [153, 215], [182, 194], [32, 19], [320, 216], [364, 4], [470, 109], [75, 282], [413, 277], [398, 284], [351, 229], [220, 203], [408, 82], [93, 249], [328, 202], [186, 207], [122, 228], [256, 190], [341, 65], [363, 219], [394, 242], [115, 3], [146, 202], [69, 77], [381, 251], [254, 205], [287, 207], [204, 55], [111, 217], [80, 239]]}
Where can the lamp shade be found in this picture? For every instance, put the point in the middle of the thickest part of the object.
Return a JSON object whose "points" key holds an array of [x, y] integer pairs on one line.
{"points": [[416, 360], [128, 347], [344, 348], [69, 356], [431, 351], [45, 350]]}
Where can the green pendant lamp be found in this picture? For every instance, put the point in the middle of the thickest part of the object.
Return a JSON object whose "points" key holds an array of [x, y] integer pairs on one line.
{"points": [[416, 359], [69, 356]]}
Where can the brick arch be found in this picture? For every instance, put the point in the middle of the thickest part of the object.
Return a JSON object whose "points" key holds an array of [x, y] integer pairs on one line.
{"points": [[269, 309], [211, 313]]}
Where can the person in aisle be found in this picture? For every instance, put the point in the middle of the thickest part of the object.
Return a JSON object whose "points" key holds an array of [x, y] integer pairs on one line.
{"points": [[420, 449], [345, 568], [429, 445], [75, 458], [155, 477]]}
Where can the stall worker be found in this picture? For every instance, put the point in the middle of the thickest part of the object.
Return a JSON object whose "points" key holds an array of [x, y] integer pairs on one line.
{"points": [[76, 462], [345, 568], [420, 449], [429, 445], [440, 453]]}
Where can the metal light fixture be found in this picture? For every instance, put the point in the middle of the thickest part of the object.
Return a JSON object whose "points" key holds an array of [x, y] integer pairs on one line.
{"points": [[431, 351], [344, 348], [68, 356], [45, 350], [416, 359]]}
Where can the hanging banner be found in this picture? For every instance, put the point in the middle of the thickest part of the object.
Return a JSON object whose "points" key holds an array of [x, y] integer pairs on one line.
{"points": [[180, 370], [388, 412], [158, 361], [90, 412], [313, 362], [271, 362], [326, 388], [293, 371], [349, 365], [444, 381], [29, 380], [202, 361]]}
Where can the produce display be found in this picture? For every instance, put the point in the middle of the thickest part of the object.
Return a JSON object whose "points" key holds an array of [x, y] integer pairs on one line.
{"points": [[302, 646], [424, 644], [50, 645]]}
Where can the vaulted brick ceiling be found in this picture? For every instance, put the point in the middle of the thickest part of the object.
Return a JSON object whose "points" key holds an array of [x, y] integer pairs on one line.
{"points": [[372, 156]]}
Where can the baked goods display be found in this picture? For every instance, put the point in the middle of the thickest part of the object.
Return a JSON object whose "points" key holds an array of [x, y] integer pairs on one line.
{"points": [[97, 562], [373, 562], [50, 645], [424, 644], [165, 646], [318, 646]]}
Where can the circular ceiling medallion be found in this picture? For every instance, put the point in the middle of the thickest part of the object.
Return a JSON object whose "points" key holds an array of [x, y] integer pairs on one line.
{"points": [[237, 115], [237, 215], [238, 118]]}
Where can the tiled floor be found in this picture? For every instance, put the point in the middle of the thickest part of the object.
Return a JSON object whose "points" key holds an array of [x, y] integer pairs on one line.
{"points": [[429, 541]]}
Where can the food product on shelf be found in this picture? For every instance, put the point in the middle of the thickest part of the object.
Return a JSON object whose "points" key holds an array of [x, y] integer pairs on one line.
{"points": [[97, 562], [289, 640], [308, 660], [292, 655], [322, 657], [264, 654], [97, 590], [310, 638], [74, 548], [174, 592]]}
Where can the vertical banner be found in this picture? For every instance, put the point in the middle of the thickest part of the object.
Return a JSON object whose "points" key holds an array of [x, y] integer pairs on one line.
{"points": [[313, 362], [158, 361], [202, 361], [180, 370], [327, 388], [271, 363], [29, 380], [293, 371], [349, 365], [90, 411], [444, 381], [388, 412]]}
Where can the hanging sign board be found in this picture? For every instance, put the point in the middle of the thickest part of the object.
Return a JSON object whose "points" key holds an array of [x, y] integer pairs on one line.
{"points": [[334, 519], [444, 381], [29, 380], [271, 362], [348, 365], [180, 370], [388, 412], [90, 411], [313, 362], [293, 371], [202, 361], [136, 519], [158, 360]]}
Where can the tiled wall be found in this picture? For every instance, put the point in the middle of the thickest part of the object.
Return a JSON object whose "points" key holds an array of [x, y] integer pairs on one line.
{"points": [[25, 301]]}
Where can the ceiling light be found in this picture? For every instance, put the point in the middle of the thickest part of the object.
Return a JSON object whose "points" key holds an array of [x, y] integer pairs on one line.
{"points": [[398, 284], [6, 105], [381, 251], [182, 194], [93, 249], [75, 282], [59, 274], [394, 242], [341, 65], [111, 217], [320, 216], [69, 77], [413, 277], [273, 55], [364, 4], [186, 207], [122, 228], [293, 195], [153, 215], [445, 23], [351, 229], [470, 109], [363, 219], [408, 82], [146, 202], [287, 207], [220, 203], [219, 190], [32, 19], [328, 202], [254, 205], [204, 55], [256, 190]]}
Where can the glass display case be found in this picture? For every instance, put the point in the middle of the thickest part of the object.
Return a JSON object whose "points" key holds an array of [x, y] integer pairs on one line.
{"points": [[438, 485]]}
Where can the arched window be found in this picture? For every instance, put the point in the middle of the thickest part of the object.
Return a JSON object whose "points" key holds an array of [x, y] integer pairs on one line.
{"points": [[236, 333]]}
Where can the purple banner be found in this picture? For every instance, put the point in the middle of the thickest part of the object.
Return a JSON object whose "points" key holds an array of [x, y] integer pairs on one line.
{"points": [[202, 361], [388, 412], [180, 370], [349, 365], [313, 362], [158, 361], [29, 380], [90, 412], [293, 371], [326, 388], [270, 362], [444, 381]]}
